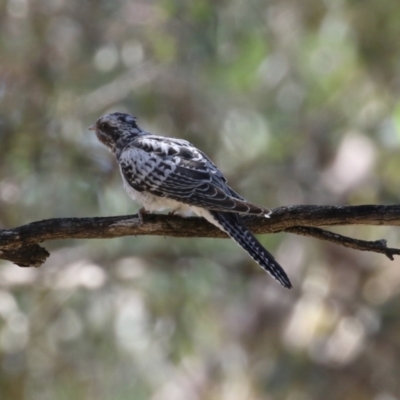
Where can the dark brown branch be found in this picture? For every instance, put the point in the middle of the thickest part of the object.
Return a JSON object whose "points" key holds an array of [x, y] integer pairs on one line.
{"points": [[20, 244], [377, 246]]}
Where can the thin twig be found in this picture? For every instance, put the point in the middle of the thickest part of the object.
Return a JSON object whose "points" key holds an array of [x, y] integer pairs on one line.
{"points": [[376, 246]]}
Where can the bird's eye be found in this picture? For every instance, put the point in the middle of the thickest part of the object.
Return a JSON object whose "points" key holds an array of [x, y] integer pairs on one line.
{"points": [[103, 126]]}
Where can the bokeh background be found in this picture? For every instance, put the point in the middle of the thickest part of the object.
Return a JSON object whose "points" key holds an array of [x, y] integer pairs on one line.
{"points": [[297, 101]]}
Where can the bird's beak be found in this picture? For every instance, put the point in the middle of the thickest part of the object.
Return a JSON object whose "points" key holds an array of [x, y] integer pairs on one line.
{"points": [[92, 127]]}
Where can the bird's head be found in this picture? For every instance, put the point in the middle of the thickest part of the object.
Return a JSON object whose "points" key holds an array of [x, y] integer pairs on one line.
{"points": [[116, 128]]}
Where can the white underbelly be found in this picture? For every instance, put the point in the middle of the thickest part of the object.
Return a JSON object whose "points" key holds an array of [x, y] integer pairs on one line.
{"points": [[155, 203]]}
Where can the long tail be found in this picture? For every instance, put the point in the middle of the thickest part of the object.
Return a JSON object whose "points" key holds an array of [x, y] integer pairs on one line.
{"points": [[232, 224]]}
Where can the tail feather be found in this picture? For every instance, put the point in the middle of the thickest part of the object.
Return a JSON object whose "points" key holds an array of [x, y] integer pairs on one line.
{"points": [[235, 228]]}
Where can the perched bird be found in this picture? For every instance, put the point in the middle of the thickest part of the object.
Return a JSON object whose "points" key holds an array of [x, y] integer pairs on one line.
{"points": [[165, 173]]}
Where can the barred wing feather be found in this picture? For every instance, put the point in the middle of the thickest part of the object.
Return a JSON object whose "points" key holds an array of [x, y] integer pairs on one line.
{"points": [[174, 169]]}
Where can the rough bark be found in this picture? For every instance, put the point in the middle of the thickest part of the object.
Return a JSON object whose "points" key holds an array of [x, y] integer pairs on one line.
{"points": [[21, 245]]}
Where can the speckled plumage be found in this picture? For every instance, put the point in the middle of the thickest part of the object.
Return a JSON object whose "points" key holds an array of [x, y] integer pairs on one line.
{"points": [[171, 174]]}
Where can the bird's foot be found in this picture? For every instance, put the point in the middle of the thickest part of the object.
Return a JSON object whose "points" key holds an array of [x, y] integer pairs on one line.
{"points": [[173, 212], [141, 212]]}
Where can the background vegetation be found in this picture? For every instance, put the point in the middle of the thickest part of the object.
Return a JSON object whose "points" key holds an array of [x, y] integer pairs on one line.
{"points": [[297, 102]]}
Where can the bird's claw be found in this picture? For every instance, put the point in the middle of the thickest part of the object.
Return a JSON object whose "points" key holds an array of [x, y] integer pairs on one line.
{"points": [[141, 212]]}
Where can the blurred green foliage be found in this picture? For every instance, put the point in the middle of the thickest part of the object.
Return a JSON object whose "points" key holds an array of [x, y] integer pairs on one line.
{"points": [[297, 102]]}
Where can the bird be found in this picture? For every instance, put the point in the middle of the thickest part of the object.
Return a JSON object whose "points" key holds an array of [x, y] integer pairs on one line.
{"points": [[163, 173]]}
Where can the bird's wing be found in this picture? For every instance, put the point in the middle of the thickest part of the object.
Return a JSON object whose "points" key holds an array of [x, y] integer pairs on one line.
{"points": [[175, 169]]}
